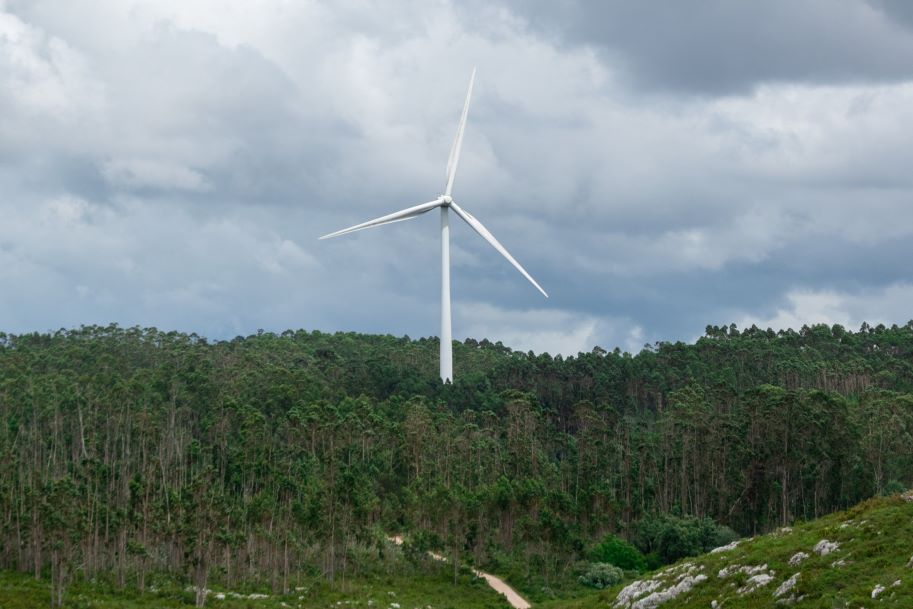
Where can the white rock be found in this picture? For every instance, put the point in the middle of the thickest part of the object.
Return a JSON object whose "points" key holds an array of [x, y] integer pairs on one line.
{"points": [[726, 548], [220, 596], [838, 563], [685, 566], [895, 584], [877, 590], [787, 586], [797, 558], [691, 570], [754, 582], [714, 604], [747, 570], [635, 590], [825, 547], [661, 596]]}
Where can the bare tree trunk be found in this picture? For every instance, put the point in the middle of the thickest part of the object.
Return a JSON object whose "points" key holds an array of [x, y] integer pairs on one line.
{"points": [[227, 566], [456, 562], [121, 557], [57, 578], [285, 567], [200, 579]]}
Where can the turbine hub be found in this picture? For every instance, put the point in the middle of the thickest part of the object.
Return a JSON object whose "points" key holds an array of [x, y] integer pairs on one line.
{"points": [[446, 200]]}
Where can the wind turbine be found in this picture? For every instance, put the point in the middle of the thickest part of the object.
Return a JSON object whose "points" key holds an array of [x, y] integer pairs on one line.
{"points": [[446, 203]]}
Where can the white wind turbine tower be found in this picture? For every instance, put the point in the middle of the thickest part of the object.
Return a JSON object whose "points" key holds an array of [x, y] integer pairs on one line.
{"points": [[446, 203]]}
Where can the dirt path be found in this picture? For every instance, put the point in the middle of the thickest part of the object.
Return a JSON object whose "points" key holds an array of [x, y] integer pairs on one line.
{"points": [[496, 583]]}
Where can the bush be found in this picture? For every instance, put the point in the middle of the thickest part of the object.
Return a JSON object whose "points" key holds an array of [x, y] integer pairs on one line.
{"points": [[671, 537], [721, 536], [893, 487], [618, 552], [416, 546], [601, 575]]}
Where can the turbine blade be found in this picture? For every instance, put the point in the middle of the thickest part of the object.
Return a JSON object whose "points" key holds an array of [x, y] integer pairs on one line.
{"points": [[405, 214], [454, 159], [483, 232]]}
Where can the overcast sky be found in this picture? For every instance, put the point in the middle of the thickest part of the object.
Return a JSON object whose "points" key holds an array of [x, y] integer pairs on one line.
{"points": [[656, 166]]}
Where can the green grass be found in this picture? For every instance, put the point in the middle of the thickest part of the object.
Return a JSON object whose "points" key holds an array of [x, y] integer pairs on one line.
{"points": [[876, 547], [20, 591]]}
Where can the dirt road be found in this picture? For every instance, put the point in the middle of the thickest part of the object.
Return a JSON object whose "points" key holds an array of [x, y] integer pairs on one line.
{"points": [[497, 584]]}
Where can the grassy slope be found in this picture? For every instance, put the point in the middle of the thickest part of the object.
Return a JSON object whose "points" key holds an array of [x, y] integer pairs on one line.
{"points": [[876, 543], [875, 537], [19, 591]]}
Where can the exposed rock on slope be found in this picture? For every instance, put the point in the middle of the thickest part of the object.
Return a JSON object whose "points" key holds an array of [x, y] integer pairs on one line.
{"points": [[858, 558]]}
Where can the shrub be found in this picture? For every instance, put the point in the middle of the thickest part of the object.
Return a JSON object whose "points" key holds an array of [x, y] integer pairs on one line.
{"points": [[618, 552], [416, 546], [601, 575], [721, 535], [893, 487], [671, 537]]}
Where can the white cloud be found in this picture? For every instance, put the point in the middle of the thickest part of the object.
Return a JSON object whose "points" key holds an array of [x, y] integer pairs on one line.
{"points": [[545, 330], [888, 305], [42, 74]]}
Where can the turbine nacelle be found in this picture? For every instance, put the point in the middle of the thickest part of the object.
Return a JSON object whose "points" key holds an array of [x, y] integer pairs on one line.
{"points": [[446, 200]]}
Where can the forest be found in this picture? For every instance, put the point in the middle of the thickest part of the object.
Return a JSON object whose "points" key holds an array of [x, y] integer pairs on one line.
{"points": [[129, 452]]}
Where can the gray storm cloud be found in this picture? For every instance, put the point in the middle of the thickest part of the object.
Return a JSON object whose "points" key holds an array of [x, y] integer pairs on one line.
{"points": [[713, 47], [656, 167]]}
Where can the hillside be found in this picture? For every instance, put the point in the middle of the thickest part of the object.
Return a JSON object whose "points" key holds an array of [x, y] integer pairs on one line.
{"points": [[128, 454], [862, 557]]}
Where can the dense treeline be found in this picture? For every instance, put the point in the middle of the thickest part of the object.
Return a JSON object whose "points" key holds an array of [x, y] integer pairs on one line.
{"points": [[130, 451]]}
